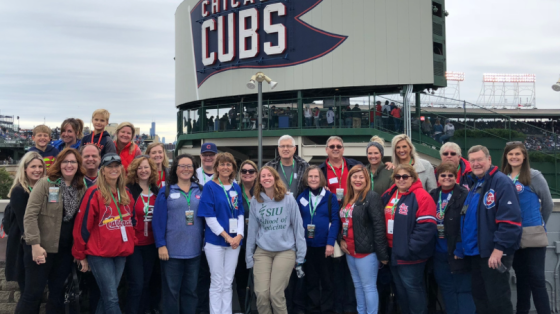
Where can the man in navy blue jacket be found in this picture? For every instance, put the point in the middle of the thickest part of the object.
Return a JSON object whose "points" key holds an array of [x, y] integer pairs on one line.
{"points": [[490, 233]]}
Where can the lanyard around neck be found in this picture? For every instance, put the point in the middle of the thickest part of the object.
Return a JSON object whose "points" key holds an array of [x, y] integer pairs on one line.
{"points": [[232, 206], [395, 202], [313, 207], [291, 176], [245, 197], [341, 173], [372, 182], [117, 203], [442, 208], [146, 204]]}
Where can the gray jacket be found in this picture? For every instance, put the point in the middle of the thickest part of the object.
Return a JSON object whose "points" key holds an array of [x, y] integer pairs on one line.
{"points": [[301, 165], [426, 174], [540, 187], [275, 227]]}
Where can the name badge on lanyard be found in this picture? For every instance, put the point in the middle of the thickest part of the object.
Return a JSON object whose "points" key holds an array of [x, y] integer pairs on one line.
{"points": [[390, 226], [310, 231], [189, 214], [232, 225], [345, 229], [53, 194], [123, 234]]}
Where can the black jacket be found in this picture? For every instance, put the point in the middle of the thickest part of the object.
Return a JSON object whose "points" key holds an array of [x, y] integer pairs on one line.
{"points": [[15, 269], [135, 190], [301, 164], [452, 225], [368, 220]]}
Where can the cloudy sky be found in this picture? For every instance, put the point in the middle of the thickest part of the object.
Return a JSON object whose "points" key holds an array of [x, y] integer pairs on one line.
{"points": [[63, 58]]}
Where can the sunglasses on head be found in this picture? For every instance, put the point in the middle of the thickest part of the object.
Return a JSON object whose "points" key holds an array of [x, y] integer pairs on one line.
{"points": [[514, 142], [449, 154], [404, 177], [335, 146], [248, 171], [111, 158], [142, 156], [443, 175]]}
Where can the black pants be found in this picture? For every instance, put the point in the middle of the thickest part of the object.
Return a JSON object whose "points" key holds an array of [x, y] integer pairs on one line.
{"points": [[203, 286], [54, 271], [529, 268], [345, 293], [295, 294], [318, 281], [241, 278], [490, 288]]}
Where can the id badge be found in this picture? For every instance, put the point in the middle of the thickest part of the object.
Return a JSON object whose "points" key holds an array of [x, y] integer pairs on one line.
{"points": [[441, 231], [310, 231], [339, 194], [123, 234], [345, 229], [53, 194], [232, 225], [189, 214], [145, 228], [390, 225]]}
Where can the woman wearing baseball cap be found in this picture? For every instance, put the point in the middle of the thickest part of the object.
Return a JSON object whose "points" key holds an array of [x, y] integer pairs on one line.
{"points": [[103, 233]]}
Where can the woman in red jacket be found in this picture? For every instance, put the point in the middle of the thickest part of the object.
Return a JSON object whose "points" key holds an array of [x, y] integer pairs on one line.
{"points": [[103, 233], [126, 149]]}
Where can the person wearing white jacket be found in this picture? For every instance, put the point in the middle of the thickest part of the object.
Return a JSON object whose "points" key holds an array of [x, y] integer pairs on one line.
{"points": [[275, 241], [404, 152]]}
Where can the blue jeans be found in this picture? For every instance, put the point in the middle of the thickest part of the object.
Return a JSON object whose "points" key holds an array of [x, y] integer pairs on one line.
{"points": [[138, 272], [348, 122], [455, 288], [411, 290], [364, 274], [179, 279], [445, 138], [107, 272], [307, 121]]}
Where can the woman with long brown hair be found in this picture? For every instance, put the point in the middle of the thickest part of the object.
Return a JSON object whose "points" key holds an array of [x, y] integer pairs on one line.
{"points": [[363, 237], [157, 153], [536, 206], [275, 241], [48, 222]]}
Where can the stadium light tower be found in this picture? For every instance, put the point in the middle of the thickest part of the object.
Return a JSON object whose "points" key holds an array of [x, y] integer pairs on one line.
{"points": [[556, 87], [260, 77]]}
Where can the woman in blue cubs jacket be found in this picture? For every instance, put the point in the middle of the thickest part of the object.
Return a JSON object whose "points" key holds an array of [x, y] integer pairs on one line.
{"points": [[321, 225], [178, 234], [411, 224], [221, 205], [536, 205]]}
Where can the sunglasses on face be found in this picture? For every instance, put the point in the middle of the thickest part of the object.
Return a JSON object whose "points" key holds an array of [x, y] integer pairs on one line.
{"points": [[449, 154], [335, 146], [403, 177], [443, 175], [248, 171]]}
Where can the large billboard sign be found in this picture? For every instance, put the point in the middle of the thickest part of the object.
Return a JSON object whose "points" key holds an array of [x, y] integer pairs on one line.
{"points": [[302, 44]]}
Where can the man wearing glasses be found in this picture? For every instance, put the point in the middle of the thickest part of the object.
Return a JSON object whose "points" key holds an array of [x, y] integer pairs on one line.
{"points": [[451, 153], [208, 153], [337, 167], [490, 233], [290, 167]]}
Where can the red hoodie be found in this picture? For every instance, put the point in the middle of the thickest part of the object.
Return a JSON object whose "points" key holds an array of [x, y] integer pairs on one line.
{"points": [[126, 156], [97, 227]]}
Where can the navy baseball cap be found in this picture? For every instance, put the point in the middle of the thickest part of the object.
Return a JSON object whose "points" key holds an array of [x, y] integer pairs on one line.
{"points": [[208, 148]]}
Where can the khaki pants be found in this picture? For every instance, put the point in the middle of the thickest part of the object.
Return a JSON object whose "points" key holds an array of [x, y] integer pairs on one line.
{"points": [[356, 123], [272, 272]]}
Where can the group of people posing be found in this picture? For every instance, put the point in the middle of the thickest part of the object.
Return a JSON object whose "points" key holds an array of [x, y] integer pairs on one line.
{"points": [[348, 233]]}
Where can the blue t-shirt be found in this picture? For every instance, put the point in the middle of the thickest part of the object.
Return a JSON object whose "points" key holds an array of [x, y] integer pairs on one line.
{"points": [[441, 243], [215, 204], [469, 222]]}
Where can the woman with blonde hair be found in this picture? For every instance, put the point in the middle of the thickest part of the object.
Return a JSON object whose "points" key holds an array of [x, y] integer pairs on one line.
{"points": [[275, 241], [126, 148], [222, 208], [404, 152], [48, 222], [157, 153], [142, 184], [104, 234], [31, 169], [363, 237]]}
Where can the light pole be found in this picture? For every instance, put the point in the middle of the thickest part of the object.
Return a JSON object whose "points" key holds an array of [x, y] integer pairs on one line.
{"points": [[556, 87], [260, 77]]}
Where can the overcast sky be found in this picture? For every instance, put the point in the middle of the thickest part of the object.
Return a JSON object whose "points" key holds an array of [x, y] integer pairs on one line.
{"points": [[63, 58]]}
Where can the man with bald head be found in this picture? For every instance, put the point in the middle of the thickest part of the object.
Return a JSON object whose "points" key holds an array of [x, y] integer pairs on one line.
{"points": [[91, 160]]}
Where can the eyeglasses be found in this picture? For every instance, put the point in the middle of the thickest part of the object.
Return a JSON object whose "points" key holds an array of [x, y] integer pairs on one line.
{"points": [[403, 177], [188, 167], [514, 142], [248, 171], [71, 162], [449, 154], [285, 146], [225, 164], [443, 175], [335, 146]]}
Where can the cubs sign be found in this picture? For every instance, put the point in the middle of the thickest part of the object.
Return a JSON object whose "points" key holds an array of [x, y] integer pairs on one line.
{"points": [[302, 44], [234, 34]]}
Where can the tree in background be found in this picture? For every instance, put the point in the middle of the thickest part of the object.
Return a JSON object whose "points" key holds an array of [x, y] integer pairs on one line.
{"points": [[5, 183]]}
